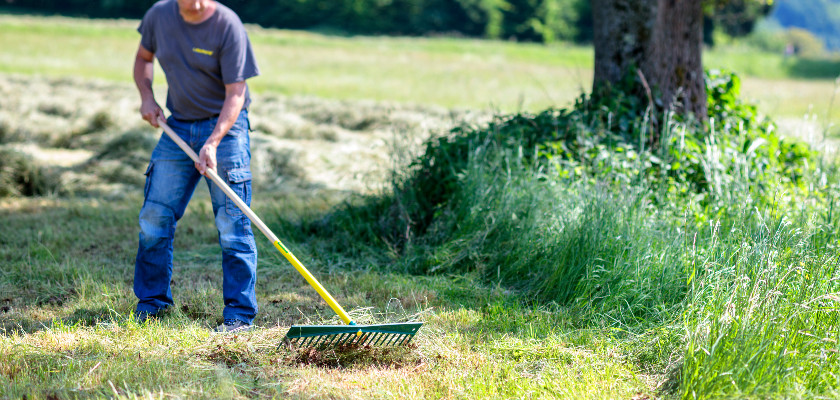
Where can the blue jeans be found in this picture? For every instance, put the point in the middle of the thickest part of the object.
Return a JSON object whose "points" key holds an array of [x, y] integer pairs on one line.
{"points": [[171, 179]]}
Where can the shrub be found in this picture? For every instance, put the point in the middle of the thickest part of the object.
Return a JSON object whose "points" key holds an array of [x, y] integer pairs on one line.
{"points": [[804, 43]]}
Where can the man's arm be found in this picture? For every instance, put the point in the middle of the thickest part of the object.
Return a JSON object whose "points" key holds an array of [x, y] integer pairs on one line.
{"points": [[234, 100], [144, 69]]}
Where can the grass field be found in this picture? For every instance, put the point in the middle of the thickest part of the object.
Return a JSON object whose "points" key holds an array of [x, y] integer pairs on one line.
{"points": [[740, 303], [454, 73]]}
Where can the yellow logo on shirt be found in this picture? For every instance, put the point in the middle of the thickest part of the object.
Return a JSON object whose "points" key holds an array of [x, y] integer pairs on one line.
{"points": [[202, 51]]}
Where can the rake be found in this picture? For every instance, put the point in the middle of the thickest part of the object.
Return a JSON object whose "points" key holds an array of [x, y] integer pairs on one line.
{"points": [[312, 335]]}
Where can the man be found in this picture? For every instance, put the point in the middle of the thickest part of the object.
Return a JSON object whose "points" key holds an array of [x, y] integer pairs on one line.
{"points": [[206, 56]]}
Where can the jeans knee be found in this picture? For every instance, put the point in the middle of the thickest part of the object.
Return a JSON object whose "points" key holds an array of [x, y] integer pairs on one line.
{"points": [[235, 233], [156, 224]]}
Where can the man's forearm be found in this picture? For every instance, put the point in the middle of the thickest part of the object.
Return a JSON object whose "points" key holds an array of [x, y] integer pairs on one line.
{"points": [[143, 78]]}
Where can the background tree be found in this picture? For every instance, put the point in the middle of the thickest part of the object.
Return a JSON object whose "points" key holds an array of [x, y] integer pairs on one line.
{"points": [[734, 17], [662, 40]]}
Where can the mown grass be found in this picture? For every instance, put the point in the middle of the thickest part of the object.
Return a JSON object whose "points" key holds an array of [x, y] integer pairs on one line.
{"points": [[65, 329]]}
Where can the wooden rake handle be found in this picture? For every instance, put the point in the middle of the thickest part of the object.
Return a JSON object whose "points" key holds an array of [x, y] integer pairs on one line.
{"points": [[211, 173]]}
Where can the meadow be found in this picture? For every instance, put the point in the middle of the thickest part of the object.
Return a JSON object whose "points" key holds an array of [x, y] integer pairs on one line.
{"points": [[533, 282], [448, 72]]}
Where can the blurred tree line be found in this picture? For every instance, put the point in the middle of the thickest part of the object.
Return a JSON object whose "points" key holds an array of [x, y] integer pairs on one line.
{"points": [[522, 20]]}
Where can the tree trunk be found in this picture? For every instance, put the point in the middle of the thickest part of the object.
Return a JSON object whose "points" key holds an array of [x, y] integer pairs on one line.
{"points": [[662, 39]]}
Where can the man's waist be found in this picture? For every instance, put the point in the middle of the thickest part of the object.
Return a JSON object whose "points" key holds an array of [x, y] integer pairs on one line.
{"points": [[193, 120]]}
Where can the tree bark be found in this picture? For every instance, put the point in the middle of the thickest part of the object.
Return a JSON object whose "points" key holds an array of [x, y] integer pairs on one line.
{"points": [[662, 39]]}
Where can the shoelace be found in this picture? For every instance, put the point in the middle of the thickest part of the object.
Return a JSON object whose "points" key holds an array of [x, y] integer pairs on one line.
{"points": [[230, 322]]}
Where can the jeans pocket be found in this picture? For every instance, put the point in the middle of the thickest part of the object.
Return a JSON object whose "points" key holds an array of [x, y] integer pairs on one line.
{"points": [[148, 174], [239, 180]]}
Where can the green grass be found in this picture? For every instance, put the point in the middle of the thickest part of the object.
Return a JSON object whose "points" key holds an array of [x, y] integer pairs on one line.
{"points": [[531, 285], [65, 332], [465, 73]]}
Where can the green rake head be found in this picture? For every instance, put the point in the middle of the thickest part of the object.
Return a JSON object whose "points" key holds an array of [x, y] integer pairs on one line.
{"points": [[352, 335]]}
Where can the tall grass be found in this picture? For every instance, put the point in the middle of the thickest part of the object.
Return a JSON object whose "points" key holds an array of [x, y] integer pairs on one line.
{"points": [[762, 317], [738, 283], [562, 240]]}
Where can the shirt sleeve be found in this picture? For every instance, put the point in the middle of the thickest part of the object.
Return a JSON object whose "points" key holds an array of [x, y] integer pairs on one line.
{"points": [[237, 57], [147, 31]]}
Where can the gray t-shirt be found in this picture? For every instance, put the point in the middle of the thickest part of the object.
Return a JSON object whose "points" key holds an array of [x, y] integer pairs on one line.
{"points": [[198, 59]]}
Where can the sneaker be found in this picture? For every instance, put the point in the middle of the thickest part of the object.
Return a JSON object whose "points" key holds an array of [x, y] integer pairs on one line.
{"points": [[232, 326]]}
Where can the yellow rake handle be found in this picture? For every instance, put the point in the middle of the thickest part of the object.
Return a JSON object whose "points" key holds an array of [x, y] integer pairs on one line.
{"points": [[211, 173]]}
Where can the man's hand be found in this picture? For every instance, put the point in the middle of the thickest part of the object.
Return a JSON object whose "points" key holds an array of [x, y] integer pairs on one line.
{"points": [[151, 111], [206, 158], [234, 99]]}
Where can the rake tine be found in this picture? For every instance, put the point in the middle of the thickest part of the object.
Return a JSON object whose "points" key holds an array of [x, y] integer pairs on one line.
{"points": [[310, 342], [348, 339], [314, 341], [394, 341], [368, 339], [354, 339], [333, 339], [406, 340], [386, 339], [381, 339], [399, 340], [306, 341], [323, 340], [338, 339], [375, 338], [363, 339], [342, 338]]}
